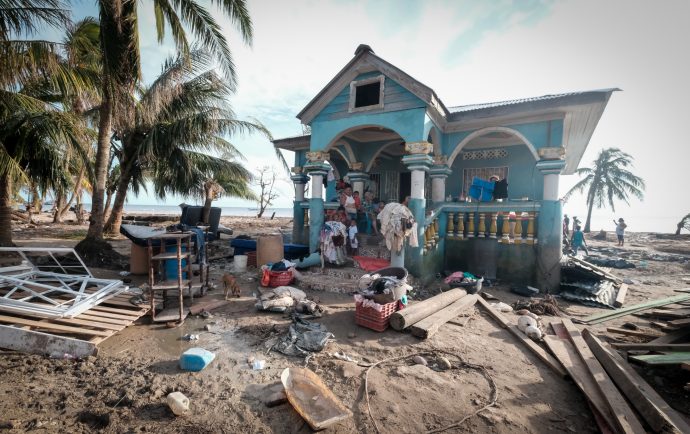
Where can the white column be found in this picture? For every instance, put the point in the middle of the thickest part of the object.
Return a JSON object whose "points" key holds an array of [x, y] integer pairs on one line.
{"points": [[316, 186], [438, 189], [551, 186], [299, 192], [417, 184]]}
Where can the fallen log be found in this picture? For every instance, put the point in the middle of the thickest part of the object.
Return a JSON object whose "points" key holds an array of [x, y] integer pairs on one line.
{"points": [[21, 216], [414, 313], [430, 325]]}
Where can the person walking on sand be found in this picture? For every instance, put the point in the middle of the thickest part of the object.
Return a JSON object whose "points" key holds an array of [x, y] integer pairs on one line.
{"points": [[566, 225], [620, 231], [578, 241]]}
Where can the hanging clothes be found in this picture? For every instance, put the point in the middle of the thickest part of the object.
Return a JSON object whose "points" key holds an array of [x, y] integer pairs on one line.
{"points": [[397, 224]]}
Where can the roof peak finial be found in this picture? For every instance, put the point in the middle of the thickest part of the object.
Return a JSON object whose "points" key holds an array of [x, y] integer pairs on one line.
{"points": [[363, 48]]}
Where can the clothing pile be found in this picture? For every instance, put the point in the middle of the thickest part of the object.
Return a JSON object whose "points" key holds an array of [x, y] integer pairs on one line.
{"points": [[397, 224], [469, 281], [385, 287], [333, 235], [280, 298]]}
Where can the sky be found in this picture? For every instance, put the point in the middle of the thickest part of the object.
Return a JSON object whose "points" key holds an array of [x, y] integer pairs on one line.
{"points": [[472, 51]]}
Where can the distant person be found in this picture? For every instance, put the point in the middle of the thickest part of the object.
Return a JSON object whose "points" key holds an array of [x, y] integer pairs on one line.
{"points": [[578, 241], [620, 231], [566, 225], [341, 216], [353, 244], [576, 222]]}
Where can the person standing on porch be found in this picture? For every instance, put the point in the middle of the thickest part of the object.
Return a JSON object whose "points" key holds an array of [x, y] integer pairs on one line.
{"points": [[620, 231], [347, 201]]}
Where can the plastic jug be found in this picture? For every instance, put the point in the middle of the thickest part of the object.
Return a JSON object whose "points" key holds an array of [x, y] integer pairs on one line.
{"points": [[178, 403], [240, 262], [196, 359]]}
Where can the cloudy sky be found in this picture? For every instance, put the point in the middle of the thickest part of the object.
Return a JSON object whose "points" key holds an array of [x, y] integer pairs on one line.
{"points": [[472, 51]]}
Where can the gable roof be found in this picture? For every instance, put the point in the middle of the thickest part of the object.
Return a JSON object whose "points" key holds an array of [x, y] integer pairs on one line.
{"points": [[365, 61]]}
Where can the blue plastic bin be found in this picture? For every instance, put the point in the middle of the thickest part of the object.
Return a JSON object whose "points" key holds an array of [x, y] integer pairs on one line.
{"points": [[171, 264], [196, 359]]}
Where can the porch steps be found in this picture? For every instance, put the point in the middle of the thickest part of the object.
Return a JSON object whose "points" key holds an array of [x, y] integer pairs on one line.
{"points": [[373, 246]]}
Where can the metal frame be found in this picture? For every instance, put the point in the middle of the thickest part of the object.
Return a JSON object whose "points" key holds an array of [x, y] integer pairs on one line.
{"points": [[33, 290]]}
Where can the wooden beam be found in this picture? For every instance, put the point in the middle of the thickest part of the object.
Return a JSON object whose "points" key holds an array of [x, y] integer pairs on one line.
{"points": [[565, 352], [602, 317], [627, 332], [55, 327], [620, 296], [651, 347], [429, 326], [624, 417], [597, 269], [671, 358], [671, 337], [545, 357], [680, 322], [652, 407], [29, 341]]}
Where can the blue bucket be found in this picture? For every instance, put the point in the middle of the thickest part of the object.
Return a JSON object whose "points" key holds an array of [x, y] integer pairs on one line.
{"points": [[171, 264]]}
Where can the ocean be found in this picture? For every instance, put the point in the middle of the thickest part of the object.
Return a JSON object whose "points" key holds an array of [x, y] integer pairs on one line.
{"points": [[225, 211]]}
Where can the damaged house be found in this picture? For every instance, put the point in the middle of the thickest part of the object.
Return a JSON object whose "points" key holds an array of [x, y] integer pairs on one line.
{"points": [[393, 136]]}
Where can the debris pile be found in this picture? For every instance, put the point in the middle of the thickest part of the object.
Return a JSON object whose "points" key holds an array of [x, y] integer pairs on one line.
{"points": [[585, 283]]}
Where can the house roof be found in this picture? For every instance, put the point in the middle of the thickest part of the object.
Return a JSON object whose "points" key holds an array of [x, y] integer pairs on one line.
{"points": [[364, 61], [510, 102]]}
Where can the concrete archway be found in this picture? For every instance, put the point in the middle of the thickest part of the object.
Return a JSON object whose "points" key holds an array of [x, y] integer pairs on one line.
{"points": [[490, 130]]}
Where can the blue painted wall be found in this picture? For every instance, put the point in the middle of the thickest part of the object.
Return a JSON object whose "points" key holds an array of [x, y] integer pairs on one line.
{"points": [[524, 180]]}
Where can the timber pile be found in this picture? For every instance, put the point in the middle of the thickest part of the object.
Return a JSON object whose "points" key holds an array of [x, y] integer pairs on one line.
{"points": [[425, 318], [621, 400]]}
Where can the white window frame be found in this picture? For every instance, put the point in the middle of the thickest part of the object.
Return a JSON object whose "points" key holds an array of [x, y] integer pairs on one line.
{"points": [[381, 79]]}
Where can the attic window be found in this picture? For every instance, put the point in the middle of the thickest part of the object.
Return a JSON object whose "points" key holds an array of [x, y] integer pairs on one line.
{"points": [[366, 94]]}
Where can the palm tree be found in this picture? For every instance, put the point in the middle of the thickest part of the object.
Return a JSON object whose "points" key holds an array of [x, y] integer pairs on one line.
{"points": [[606, 180], [36, 135], [179, 121], [684, 223], [122, 68]]}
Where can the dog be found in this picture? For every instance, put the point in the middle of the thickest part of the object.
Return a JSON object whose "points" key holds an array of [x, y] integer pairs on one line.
{"points": [[230, 284]]}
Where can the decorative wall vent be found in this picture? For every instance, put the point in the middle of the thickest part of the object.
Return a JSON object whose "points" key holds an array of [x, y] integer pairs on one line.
{"points": [[489, 154]]}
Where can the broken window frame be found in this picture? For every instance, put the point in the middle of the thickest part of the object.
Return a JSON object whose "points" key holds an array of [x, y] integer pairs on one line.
{"points": [[44, 289], [381, 79]]}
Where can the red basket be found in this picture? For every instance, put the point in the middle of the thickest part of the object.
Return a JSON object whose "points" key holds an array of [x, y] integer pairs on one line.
{"points": [[373, 319], [278, 278]]}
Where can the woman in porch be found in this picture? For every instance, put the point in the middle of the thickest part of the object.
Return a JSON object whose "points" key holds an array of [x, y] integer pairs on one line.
{"points": [[347, 201]]}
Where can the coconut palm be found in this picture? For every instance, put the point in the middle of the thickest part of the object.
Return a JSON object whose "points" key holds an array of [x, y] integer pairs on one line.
{"points": [[37, 137], [607, 180], [684, 223], [122, 67], [180, 120]]}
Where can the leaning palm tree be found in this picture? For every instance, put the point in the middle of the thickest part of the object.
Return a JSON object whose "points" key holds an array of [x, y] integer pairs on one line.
{"points": [[684, 223], [608, 179], [180, 121], [122, 68]]}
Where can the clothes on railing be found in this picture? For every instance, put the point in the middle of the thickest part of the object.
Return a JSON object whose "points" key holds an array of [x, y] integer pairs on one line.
{"points": [[397, 223]]}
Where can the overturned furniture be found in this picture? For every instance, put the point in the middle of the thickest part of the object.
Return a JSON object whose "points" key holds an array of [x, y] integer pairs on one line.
{"points": [[50, 303]]}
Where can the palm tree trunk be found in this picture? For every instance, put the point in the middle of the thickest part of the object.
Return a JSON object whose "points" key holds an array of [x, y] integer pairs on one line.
{"points": [[115, 218], [75, 192], [108, 201], [59, 204], [590, 207], [96, 219], [208, 200], [5, 211]]}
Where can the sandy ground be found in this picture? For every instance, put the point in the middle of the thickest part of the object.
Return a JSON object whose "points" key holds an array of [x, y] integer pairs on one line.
{"points": [[123, 389]]}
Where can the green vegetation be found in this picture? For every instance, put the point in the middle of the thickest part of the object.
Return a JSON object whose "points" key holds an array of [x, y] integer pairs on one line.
{"points": [[608, 179]]}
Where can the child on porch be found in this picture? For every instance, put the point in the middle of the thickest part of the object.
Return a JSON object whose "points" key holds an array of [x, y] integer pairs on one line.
{"points": [[352, 238]]}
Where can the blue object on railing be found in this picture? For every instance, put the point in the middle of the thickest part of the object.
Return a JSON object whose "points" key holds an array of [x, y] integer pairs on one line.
{"points": [[481, 190], [196, 359]]}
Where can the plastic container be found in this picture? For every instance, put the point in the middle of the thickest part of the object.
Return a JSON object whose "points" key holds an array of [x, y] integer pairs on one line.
{"points": [[178, 403], [171, 264], [240, 263], [279, 278], [373, 319], [196, 359]]}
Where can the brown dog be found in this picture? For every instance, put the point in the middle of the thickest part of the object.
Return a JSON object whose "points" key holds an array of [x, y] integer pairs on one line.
{"points": [[229, 283]]}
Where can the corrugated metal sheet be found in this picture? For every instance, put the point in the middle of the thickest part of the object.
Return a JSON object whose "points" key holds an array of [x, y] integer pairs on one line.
{"points": [[472, 107], [600, 294]]}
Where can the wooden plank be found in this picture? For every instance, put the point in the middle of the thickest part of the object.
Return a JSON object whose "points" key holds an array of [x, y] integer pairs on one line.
{"points": [[536, 349], [671, 358], [54, 327], [675, 314], [430, 325], [99, 313], [606, 316], [171, 314], [669, 338], [565, 352], [624, 417], [120, 322], [134, 311], [620, 296], [627, 332], [82, 322], [652, 407], [680, 323], [595, 268], [651, 347], [35, 342]]}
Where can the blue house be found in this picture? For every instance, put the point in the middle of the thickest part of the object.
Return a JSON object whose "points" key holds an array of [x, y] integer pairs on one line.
{"points": [[392, 135]]}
